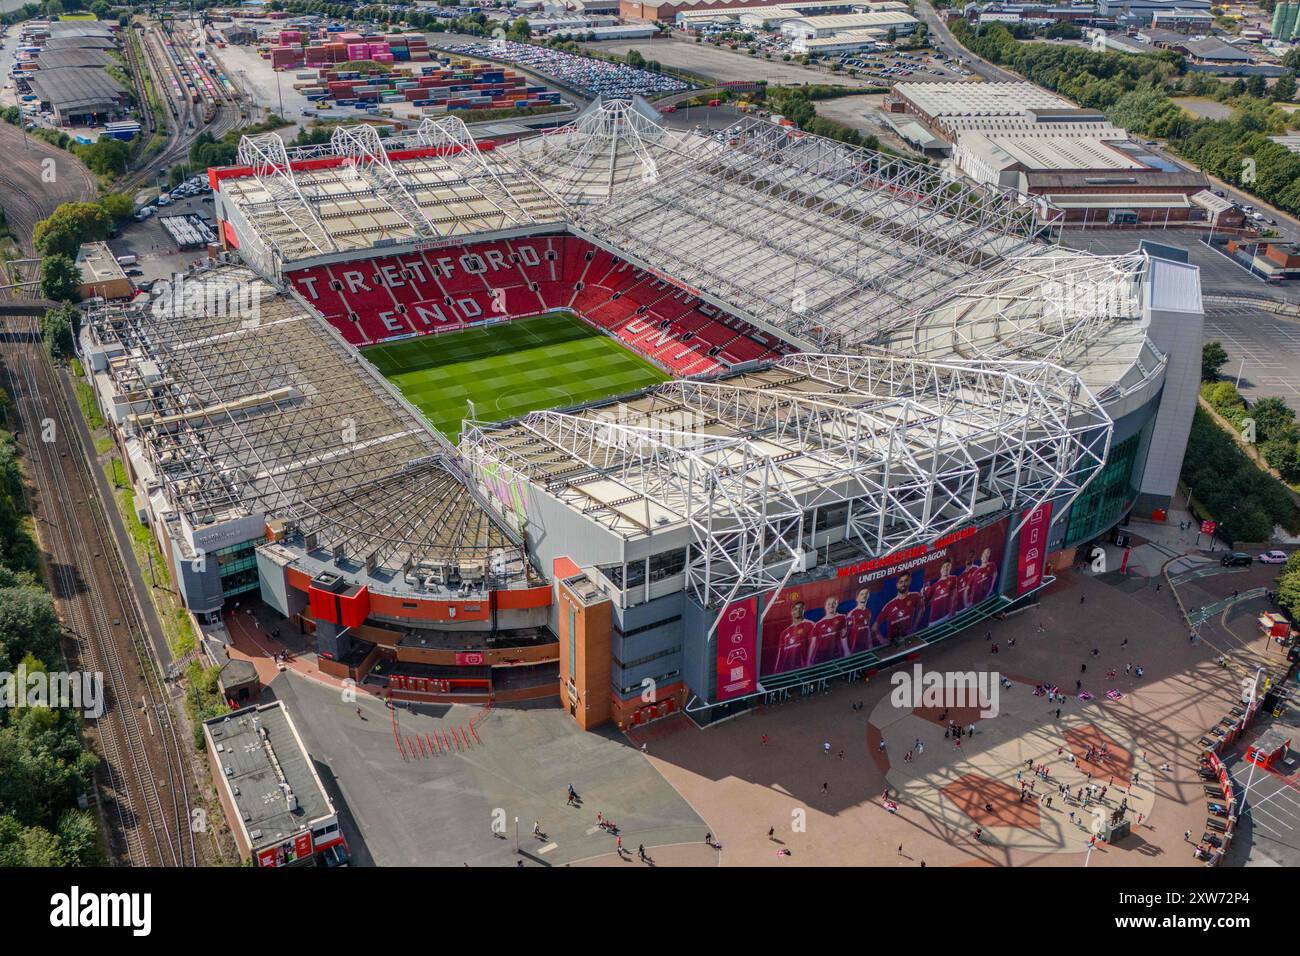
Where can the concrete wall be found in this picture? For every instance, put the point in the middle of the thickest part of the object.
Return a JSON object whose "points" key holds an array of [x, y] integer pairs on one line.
{"points": [[1172, 304]]}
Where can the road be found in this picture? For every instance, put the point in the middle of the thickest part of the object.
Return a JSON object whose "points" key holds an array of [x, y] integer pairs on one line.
{"points": [[1288, 227], [943, 39]]}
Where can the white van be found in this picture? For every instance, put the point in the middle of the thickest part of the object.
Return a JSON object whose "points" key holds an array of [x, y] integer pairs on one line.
{"points": [[127, 260]]}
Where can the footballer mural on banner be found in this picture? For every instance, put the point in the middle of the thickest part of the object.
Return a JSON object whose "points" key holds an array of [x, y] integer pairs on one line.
{"points": [[738, 649], [1033, 549], [882, 601]]}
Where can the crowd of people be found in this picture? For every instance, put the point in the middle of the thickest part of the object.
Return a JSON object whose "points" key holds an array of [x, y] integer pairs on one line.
{"points": [[590, 76]]}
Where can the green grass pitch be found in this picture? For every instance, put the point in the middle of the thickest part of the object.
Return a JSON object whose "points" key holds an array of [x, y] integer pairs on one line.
{"points": [[510, 369]]}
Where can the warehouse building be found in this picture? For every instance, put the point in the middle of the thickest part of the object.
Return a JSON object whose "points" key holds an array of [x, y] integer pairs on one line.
{"points": [[689, 14], [71, 58], [825, 26], [852, 41], [78, 96], [1141, 12], [1019, 137]]}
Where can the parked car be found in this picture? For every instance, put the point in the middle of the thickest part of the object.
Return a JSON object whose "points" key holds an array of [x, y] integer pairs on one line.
{"points": [[1273, 557], [164, 200], [135, 273], [1236, 559]]}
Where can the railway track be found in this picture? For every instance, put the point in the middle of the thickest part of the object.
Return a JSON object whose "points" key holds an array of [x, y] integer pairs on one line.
{"points": [[145, 765], [189, 119]]}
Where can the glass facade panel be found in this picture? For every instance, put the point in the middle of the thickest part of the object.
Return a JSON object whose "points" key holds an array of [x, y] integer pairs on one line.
{"points": [[1111, 493]]}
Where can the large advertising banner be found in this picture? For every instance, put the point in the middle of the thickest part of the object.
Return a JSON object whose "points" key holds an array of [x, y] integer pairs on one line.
{"points": [[1032, 564], [881, 601], [738, 649]]}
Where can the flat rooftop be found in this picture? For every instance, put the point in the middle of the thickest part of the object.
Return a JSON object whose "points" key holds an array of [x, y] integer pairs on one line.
{"points": [[979, 99], [265, 767], [98, 264]]}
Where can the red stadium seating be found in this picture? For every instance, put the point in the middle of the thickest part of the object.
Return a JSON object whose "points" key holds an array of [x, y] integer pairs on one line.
{"points": [[372, 300]]}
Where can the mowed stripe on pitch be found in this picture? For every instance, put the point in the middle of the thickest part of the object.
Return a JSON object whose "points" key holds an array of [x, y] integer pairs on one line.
{"points": [[510, 369]]}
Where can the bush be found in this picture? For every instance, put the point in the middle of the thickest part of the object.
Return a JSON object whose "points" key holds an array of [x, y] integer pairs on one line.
{"points": [[1245, 500]]}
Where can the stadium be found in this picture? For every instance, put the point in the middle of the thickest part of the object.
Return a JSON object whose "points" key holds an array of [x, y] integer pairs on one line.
{"points": [[642, 419]]}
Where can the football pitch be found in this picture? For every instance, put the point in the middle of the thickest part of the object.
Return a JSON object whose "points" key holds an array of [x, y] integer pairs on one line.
{"points": [[510, 369]]}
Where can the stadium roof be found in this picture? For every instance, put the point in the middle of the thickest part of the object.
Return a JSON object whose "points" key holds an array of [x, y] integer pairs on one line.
{"points": [[445, 189], [816, 240], [1072, 309], [249, 405], [992, 401], [71, 88], [914, 448]]}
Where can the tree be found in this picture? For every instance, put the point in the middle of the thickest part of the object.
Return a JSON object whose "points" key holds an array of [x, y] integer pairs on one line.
{"points": [[1288, 593], [1284, 88], [1213, 358], [60, 278], [71, 224], [58, 331], [106, 156], [28, 625], [1274, 419]]}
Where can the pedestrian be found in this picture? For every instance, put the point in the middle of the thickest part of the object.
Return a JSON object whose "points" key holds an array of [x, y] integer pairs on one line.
{"points": [[1058, 713], [994, 648], [825, 787], [771, 832], [1187, 836], [1128, 669], [1123, 643], [640, 851], [618, 845], [537, 829], [826, 748], [1082, 597], [765, 740], [708, 839], [971, 730], [979, 832], [881, 748], [900, 849], [1083, 669], [643, 748], [920, 748]]}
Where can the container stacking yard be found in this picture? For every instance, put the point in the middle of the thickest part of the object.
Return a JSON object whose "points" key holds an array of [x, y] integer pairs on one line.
{"points": [[454, 85]]}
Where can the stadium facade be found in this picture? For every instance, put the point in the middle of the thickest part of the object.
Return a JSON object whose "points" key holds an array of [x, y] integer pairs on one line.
{"points": [[897, 406]]}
